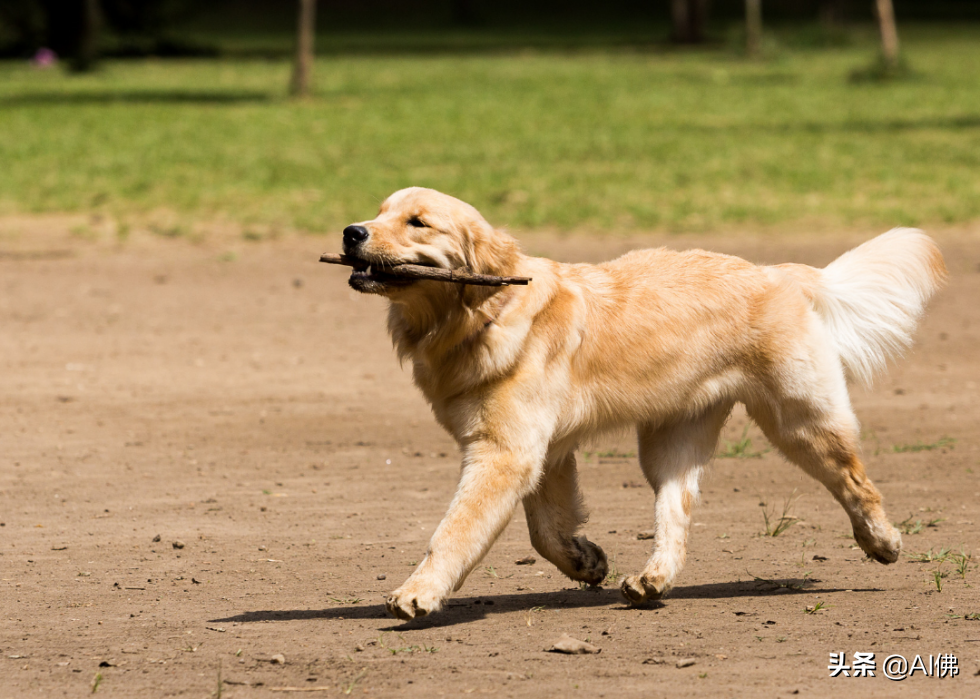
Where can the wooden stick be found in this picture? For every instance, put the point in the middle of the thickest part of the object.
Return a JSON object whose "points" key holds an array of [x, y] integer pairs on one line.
{"points": [[438, 274]]}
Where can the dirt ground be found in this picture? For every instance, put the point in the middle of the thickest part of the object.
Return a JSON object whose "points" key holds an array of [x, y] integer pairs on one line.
{"points": [[209, 456]]}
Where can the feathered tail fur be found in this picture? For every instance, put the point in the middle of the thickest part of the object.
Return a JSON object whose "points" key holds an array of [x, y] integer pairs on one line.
{"points": [[871, 297]]}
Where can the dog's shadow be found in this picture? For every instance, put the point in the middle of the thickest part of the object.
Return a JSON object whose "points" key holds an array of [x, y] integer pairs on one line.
{"points": [[464, 610]]}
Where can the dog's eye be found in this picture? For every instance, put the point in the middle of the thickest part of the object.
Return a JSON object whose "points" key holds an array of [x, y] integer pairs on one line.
{"points": [[416, 222]]}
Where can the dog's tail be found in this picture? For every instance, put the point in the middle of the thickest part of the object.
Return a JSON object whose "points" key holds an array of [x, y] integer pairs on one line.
{"points": [[870, 298]]}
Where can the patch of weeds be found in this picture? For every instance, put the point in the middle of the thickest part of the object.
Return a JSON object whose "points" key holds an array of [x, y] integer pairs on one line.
{"points": [[962, 562], [228, 256], [742, 449], [941, 443], [411, 648], [930, 557], [774, 526], [777, 585], [907, 526], [815, 608], [347, 600], [781, 639], [96, 682]]}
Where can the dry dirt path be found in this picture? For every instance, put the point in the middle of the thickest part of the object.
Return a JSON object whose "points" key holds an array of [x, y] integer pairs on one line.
{"points": [[252, 410]]}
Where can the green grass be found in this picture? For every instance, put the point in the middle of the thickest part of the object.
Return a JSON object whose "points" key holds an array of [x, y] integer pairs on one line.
{"points": [[595, 139], [941, 443], [742, 449], [777, 525]]}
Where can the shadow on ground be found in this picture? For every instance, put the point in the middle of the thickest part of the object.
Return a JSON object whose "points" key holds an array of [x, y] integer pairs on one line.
{"points": [[469, 609]]}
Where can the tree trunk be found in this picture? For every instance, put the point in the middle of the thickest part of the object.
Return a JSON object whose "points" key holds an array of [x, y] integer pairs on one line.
{"points": [[73, 31], [689, 18], [303, 67], [678, 13], [753, 28], [831, 13], [889, 33]]}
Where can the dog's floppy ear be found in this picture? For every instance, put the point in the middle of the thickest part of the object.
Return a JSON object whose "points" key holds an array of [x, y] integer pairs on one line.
{"points": [[487, 251]]}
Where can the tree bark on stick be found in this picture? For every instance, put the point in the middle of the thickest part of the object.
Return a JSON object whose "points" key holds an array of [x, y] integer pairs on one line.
{"points": [[889, 33], [409, 271], [303, 67], [753, 28]]}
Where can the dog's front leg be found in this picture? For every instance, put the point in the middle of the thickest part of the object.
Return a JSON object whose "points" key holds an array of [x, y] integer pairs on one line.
{"points": [[493, 481]]}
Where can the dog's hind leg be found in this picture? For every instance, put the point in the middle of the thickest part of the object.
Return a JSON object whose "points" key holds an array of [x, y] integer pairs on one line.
{"points": [[817, 430], [555, 512], [672, 457]]}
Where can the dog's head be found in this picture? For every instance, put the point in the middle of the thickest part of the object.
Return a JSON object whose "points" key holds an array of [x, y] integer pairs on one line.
{"points": [[424, 227]]}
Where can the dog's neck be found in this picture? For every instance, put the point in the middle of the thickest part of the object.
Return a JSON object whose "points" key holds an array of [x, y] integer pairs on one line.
{"points": [[444, 322]]}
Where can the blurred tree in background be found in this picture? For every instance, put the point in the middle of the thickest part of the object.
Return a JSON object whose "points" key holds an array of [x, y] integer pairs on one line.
{"points": [[74, 28], [689, 20], [131, 28]]}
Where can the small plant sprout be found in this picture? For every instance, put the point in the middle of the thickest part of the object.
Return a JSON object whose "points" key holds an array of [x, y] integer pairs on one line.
{"points": [[776, 584], [742, 449], [348, 688], [962, 561], [347, 600], [907, 526], [814, 608], [776, 526], [937, 577], [529, 615], [930, 557], [613, 575]]}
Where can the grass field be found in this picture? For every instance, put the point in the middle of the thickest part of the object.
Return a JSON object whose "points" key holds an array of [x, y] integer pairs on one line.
{"points": [[594, 139]]}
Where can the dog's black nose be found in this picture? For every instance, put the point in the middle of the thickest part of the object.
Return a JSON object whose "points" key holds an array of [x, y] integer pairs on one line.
{"points": [[354, 236]]}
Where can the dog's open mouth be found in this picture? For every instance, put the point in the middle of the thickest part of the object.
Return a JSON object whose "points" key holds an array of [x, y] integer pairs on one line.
{"points": [[375, 278]]}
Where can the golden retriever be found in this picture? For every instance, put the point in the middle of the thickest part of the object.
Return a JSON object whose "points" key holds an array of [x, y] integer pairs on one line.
{"points": [[666, 341]]}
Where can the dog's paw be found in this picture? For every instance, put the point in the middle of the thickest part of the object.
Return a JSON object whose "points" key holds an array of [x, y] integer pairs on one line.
{"points": [[640, 589], [883, 543], [589, 562], [411, 602]]}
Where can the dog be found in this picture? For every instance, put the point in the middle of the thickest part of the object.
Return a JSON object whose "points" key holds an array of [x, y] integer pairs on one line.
{"points": [[664, 341]]}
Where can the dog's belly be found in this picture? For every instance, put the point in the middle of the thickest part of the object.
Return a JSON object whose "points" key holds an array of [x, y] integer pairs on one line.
{"points": [[608, 407]]}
